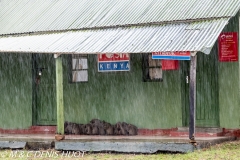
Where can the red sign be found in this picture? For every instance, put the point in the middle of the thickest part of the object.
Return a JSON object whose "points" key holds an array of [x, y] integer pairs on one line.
{"points": [[170, 64], [228, 46], [113, 57]]}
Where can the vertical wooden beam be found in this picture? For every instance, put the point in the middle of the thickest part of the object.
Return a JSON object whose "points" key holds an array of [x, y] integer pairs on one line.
{"points": [[192, 98], [34, 89], [59, 92]]}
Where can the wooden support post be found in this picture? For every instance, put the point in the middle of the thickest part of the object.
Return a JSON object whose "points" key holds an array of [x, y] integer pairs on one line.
{"points": [[59, 92], [192, 98]]}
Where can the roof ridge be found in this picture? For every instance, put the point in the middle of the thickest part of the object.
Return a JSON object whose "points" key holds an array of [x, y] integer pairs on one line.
{"points": [[116, 26]]}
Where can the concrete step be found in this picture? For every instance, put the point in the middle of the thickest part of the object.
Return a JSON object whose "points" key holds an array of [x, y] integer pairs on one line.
{"points": [[127, 144]]}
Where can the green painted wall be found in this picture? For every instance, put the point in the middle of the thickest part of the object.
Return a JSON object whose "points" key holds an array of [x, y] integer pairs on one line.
{"points": [[123, 96], [229, 97], [15, 91]]}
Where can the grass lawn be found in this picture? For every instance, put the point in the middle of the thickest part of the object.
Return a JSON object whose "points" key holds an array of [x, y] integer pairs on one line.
{"points": [[226, 151]]}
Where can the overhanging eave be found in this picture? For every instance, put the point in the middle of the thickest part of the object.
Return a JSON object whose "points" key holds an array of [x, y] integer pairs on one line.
{"points": [[194, 37]]}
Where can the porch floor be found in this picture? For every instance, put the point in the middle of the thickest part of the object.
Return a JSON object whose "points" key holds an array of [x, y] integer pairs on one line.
{"points": [[126, 144]]}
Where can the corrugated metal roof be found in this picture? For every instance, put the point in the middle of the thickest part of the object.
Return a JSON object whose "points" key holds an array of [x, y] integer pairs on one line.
{"points": [[19, 16], [195, 36]]}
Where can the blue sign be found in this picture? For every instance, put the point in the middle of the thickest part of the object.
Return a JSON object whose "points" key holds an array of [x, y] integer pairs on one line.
{"points": [[171, 57], [184, 55], [114, 66]]}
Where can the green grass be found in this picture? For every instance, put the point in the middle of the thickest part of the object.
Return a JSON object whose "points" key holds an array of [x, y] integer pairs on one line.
{"points": [[224, 151]]}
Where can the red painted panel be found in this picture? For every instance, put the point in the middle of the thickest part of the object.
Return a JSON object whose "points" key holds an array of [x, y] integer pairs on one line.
{"points": [[170, 64]]}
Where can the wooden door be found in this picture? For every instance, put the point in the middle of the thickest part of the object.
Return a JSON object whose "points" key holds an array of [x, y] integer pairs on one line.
{"points": [[45, 90], [207, 111], [185, 65], [207, 108]]}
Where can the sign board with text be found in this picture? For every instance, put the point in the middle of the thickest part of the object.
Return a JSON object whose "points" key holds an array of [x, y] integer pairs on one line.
{"points": [[113, 62], [185, 55], [228, 46]]}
